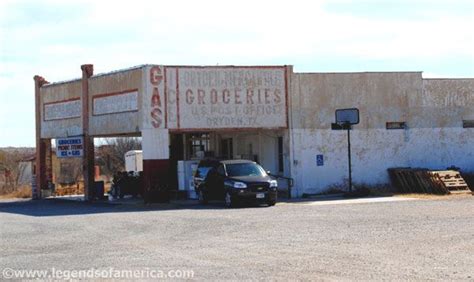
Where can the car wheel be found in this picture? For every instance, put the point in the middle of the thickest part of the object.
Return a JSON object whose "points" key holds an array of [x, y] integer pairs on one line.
{"points": [[271, 203], [229, 200], [202, 197]]}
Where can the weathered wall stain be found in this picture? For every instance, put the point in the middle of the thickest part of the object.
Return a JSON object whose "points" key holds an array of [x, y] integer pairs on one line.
{"points": [[61, 93], [432, 109], [116, 83]]}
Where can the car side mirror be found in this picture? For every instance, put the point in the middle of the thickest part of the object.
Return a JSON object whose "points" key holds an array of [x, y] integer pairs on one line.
{"points": [[269, 172]]}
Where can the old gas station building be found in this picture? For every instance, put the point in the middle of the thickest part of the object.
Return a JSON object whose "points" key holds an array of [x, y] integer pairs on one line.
{"points": [[270, 114]]}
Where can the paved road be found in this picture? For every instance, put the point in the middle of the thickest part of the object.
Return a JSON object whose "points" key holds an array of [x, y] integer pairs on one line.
{"points": [[422, 239]]}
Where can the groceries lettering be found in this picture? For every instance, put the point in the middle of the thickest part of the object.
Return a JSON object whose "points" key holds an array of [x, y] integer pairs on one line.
{"points": [[232, 98], [236, 96]]}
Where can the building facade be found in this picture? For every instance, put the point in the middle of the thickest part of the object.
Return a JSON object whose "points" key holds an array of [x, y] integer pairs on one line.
{"points": [[269, 114]]}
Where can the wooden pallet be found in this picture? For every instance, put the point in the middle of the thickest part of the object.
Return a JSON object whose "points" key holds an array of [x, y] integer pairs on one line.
{"points": [[451, 179], [421, 180]]}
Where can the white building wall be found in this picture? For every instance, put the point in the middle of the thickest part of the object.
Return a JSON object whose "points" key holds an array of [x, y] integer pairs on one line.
{"points": [[437, 139], [433, 111], [439, 148], [155, 144], [372, 152], [262, 143]]}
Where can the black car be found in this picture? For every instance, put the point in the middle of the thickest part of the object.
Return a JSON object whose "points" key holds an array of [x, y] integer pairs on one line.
{"points": [[235, 182]]}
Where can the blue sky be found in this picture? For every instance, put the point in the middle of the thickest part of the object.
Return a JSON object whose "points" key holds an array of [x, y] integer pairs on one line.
{"points": [[53, 38]]}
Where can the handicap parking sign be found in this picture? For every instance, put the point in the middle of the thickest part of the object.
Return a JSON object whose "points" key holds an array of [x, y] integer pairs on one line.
{"points": [[319, 160]]}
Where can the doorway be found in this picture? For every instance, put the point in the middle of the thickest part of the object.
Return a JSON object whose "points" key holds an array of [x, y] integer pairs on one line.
{"points": [[227, 148]]}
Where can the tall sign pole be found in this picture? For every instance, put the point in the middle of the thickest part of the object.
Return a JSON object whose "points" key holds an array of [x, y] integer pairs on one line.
{"points": [[88, 146], [345, 118], [349, 155], [41, 179]]}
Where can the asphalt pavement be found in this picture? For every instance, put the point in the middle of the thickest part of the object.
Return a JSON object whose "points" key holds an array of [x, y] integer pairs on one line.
{"points": [[304, 240]]}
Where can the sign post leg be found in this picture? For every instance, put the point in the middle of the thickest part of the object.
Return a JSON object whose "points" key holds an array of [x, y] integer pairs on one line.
{"points": [[345, 118], [349, 157], [88, 158]]}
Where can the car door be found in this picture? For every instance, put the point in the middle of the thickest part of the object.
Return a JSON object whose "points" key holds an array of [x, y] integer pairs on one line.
{"points": [[220, 178], [215, 183], [211, 183]]}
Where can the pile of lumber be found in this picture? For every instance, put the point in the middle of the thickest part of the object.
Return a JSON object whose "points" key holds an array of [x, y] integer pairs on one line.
{"points": [[421, 180]]}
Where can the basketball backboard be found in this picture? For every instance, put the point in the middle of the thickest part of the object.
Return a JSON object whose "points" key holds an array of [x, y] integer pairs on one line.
{"points": [[347, 116]]}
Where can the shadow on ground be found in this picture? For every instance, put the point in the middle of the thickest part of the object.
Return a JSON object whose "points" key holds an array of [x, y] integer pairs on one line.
{"points": [[57, 207], [62, 207]]}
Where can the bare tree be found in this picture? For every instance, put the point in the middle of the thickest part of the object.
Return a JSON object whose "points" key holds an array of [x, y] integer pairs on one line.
{"points": [[111, 155], [10, 168]]}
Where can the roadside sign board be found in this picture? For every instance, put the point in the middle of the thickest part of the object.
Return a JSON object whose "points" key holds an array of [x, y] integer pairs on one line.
{"points": [[70, 147], [347, 116]]}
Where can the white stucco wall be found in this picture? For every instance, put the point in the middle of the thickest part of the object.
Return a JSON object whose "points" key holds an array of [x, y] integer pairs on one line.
{"points": [[433, 111], [437, 138]]}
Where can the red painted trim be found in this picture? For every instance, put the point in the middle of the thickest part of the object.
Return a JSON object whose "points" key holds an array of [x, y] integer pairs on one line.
{"points": [[63, 101], [166, 97], [98, 96], [155, 175], [227, 66], [178, 123], [114, 93], [226, 129], [121, 112], [58, 102], [286, 96]]}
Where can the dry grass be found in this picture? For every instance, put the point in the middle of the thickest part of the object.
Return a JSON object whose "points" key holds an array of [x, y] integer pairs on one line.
{"points": [[432, 196], [421, 196], [23, 191]]}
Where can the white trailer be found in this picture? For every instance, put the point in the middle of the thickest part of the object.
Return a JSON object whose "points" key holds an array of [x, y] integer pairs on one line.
{"points": [[134, 161]]}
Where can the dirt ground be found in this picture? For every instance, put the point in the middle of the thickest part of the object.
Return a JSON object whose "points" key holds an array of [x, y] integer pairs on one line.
{"points": [[403, 239]]}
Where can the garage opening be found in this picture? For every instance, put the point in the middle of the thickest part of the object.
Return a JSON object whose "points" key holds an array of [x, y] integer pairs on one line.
{"points": [[65, 170], [265, 147]]}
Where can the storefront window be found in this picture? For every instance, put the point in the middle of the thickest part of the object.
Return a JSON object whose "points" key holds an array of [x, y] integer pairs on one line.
{"points": [[198, 145]]}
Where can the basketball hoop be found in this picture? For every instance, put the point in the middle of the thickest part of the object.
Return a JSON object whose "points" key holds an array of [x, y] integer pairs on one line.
{"points": [[345, 118]]}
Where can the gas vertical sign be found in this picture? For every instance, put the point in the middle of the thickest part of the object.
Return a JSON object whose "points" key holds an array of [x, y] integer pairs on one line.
{"points": [[156, 102], [154, 98]]}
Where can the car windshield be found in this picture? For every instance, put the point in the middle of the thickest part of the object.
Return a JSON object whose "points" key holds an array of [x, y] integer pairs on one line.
{"points": [[245, 169]]}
